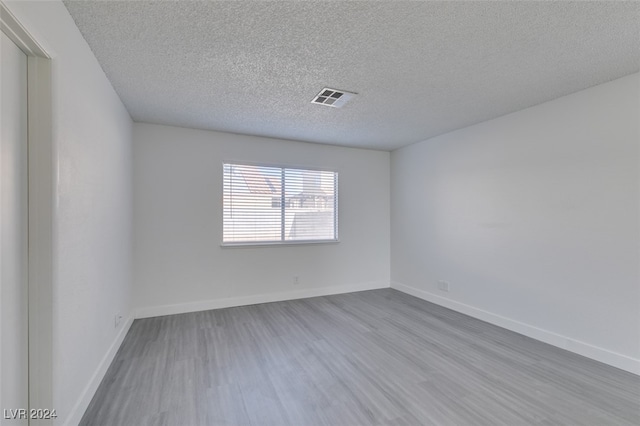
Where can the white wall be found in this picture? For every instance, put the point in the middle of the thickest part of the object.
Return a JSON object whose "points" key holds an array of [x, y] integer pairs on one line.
{"points": [[13, 230], [179, 264], [533, 219], [93, 209]]}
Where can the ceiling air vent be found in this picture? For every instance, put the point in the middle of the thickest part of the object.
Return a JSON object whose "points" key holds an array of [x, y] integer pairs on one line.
{"points": [[332, 97]]}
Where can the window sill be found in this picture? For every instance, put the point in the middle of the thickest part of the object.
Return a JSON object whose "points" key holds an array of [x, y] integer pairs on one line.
{"points": [[277, 243]]}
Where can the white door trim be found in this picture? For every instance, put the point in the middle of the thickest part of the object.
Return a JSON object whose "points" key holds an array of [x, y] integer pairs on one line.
{"points": [[10, 25], [41, 202]]}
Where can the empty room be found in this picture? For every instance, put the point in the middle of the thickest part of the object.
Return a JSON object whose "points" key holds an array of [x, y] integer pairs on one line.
{"points": [[320, 213]]}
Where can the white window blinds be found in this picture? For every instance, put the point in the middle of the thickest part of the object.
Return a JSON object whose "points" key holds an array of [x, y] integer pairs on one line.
{"points": [[264, 204]]}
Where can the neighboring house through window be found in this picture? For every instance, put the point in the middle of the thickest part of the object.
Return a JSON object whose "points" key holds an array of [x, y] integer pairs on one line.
{"points": [[265, 204]]}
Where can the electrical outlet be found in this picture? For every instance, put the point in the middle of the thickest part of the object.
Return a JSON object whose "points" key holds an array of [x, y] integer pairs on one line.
{"points": [[116, 321], [296, 280], [443, 286]]}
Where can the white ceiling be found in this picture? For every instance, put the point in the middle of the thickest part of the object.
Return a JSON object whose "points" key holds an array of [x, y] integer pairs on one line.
{"points": [[420, 68]]}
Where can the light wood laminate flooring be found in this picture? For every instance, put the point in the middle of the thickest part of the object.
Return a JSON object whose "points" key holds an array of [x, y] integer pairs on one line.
{"points": [[377, 357]]}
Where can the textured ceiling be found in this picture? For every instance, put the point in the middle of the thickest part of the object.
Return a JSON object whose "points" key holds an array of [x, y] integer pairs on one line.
{"points": [[420, 68]]}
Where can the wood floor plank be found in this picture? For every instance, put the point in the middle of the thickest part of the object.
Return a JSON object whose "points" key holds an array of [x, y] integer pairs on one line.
{"points": [[377, 357]]}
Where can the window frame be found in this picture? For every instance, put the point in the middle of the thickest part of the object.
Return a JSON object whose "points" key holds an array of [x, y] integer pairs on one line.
{"points": [[280, 243]]}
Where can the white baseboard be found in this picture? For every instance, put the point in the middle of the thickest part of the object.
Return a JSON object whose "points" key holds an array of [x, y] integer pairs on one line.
{"points": [[89, 391], [606, 356], [181, 308]]}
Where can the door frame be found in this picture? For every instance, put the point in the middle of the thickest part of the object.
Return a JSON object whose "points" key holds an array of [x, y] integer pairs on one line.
{"points": [[41, 166]]}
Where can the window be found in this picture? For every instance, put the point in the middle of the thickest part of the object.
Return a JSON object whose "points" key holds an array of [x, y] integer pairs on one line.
{"points": [[263, 204]]}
